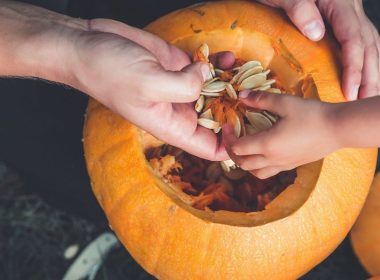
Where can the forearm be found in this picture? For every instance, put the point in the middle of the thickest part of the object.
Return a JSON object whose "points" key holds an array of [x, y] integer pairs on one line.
{"points": [[357, 124], [36, 42]]}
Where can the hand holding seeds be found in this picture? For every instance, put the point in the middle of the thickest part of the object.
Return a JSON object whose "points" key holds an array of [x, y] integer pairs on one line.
{"points": [[148, 82], [304, 133], [219, 105]]}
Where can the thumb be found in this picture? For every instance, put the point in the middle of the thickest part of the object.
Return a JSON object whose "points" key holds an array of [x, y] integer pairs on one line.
{"points": [[182, 86], [306, 16], [275, 103]]}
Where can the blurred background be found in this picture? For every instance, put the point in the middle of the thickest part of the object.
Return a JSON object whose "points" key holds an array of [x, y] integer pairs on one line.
{"points": [[48, 214]]}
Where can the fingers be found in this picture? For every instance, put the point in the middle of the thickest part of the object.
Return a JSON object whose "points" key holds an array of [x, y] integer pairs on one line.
{"points": [[170, 57], [223, 60], [349, 36], [258, 165], [174, 86], [275, 103], [203, 143], [304, 14], [360, 55], [371, 71], [265, 173], [181, 130]]}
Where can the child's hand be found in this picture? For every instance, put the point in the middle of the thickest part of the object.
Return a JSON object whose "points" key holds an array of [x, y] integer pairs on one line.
{"points": [[303, 134], [357, 36]]}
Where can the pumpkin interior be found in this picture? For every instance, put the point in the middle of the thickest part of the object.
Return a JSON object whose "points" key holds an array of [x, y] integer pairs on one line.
{"points": [[249, 201]]}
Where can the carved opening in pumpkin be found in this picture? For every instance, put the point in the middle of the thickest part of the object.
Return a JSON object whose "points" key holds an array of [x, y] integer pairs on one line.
{"points": [[207, 186], [204, 185]]}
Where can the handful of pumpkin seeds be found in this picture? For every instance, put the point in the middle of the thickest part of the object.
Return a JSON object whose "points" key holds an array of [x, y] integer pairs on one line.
{"points": [[218, 102]]}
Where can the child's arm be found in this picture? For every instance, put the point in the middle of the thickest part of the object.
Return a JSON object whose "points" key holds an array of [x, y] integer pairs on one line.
{"points": [[307, 131]]}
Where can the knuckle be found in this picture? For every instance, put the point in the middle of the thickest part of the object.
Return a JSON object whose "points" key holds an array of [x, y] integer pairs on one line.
{"points": [[260, 174], [244, 165], [269, 148], [193, 85], [358, 41], [236, 149]]}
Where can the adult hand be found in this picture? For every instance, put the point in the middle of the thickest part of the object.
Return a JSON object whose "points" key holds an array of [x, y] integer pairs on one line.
{"points": [[356, 34], [147, 81], [136, 74]]}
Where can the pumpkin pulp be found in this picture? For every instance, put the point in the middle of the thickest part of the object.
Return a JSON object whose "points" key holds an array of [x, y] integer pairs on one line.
{"points": [[204, 184]]}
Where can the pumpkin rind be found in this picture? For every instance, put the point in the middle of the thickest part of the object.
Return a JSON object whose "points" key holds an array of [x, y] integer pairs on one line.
{"points": [[173, 241], [365, 235]]}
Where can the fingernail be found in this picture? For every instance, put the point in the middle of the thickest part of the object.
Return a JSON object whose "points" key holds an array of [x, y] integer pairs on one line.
{"points": [[314, 30], [244, 93], [354, 92], [206, 73]]}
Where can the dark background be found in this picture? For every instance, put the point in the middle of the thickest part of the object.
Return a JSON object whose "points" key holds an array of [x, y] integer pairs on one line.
{"points": [[41, 127]]}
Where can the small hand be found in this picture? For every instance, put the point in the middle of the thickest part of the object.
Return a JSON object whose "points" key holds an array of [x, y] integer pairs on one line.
{"points": [[359, 39], [303, 134]]}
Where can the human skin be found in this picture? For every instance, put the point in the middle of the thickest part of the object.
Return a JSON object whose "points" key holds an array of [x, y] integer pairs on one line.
{"points": [[134, 73], [294, 141], [357, 36], [153, 84], [324, 127]]}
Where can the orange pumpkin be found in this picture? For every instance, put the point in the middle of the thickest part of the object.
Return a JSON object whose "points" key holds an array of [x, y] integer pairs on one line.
{"points": [[365, 235], [296, 231]]}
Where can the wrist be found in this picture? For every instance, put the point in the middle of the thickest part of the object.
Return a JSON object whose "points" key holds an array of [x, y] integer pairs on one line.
{"points": [[36, 42], [333, 117]]}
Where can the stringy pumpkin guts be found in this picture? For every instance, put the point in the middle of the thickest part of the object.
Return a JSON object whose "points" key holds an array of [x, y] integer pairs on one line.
{"points": [[213, 186], [206, 186]]}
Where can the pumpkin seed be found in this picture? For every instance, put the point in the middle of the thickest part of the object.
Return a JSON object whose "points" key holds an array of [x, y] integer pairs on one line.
{"points": [[207, 123], [237, 127], [253, 82], [270, 116], [250, 72], [217, 130], [248, 65], [218, 71], [207, 115], [266, 72], [262, 88], [274, 90], [212, 93], [259, 121], [250, 130], [214, 87], [212, 70], [227, 165], [200, 104], [204, 49], [231, 91], [210, 81], [268, 82]]}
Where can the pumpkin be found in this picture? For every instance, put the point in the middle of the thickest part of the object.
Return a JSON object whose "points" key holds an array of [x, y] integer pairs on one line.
{"points": [[365, 235], [298, 229]]}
